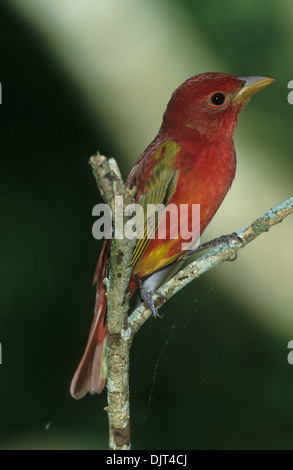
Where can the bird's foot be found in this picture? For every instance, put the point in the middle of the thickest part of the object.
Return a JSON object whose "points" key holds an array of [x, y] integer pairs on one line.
{"points": [[212, 244], [147, 297]]}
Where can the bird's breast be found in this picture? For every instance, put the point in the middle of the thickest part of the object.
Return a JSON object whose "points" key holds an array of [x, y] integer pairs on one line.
{"points": [[204, 177]]}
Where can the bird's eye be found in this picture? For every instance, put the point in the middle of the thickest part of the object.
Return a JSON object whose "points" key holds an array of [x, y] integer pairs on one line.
{"points": [[217, 99]]}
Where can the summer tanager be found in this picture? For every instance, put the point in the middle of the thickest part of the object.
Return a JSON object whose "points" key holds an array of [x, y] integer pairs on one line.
{"points": [[192, 160]]}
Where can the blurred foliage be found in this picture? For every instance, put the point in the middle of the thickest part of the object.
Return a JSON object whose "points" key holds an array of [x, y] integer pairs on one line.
{"points": [[235, 389]]}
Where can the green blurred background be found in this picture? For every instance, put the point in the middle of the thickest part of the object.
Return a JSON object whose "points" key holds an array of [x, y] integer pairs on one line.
{"points": [[82, 75]]}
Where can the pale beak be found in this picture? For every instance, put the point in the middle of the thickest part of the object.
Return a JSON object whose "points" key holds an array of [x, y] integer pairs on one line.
{"points": [[251, 86]]}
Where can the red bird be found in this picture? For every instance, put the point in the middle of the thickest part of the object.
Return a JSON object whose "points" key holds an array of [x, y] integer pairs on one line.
{"points": [[192, 160]]}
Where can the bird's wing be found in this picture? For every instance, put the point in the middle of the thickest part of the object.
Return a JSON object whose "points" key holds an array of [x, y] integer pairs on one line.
{"points": [[158, 189]]}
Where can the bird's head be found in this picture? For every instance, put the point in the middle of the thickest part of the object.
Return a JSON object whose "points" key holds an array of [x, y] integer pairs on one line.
{"points": [[209, 103]]}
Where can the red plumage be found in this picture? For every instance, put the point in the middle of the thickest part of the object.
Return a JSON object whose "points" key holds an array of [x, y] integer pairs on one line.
{"points": [[191, 161]]}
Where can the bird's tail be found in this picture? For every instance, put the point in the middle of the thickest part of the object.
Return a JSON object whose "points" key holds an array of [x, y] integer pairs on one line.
{"points": [[91, 373]]}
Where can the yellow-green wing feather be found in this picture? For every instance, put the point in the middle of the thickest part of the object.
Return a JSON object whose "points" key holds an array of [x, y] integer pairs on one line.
{"points": [[160, 188]]}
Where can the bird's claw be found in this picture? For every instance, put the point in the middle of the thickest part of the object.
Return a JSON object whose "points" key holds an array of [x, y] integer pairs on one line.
{"points": [[212, 244], [148, 300], [234, 237], [147, 297]]}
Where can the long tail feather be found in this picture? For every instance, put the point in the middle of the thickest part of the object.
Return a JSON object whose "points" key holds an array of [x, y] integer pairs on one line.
{"points": [[91, 373]]}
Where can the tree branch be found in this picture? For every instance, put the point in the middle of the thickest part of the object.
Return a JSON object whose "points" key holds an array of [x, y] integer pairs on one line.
{"points": [[110, 183], [122, 328], [213, 258]]}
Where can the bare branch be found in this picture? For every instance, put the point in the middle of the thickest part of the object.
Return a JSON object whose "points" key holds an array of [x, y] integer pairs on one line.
{"points": [[108, 178], [110, 183]]}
